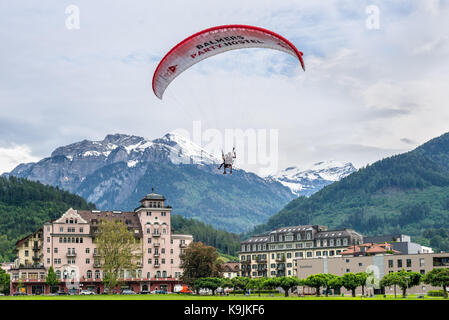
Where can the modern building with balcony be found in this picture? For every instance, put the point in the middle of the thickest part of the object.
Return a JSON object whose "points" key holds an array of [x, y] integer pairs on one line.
{"points": [[68, 245], [272, 254]]}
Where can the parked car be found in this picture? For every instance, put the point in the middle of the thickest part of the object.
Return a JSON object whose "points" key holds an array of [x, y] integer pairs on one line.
{"points": [[158, 292], [62, 293], [20, 293], [127, 292], [144, 292], [86, 292]]}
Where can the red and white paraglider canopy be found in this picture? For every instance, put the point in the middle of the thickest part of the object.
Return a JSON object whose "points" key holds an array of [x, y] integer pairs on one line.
{"points": [[212, 41]]}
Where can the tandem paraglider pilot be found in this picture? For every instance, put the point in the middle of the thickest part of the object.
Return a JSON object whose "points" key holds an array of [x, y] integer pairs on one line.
{"points": [[228, 160]]}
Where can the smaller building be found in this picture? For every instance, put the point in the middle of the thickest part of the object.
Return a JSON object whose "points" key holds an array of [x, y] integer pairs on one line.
{"points": [[379, 264], [230, 269], [7, 266], [399, 242], [29, 250]]}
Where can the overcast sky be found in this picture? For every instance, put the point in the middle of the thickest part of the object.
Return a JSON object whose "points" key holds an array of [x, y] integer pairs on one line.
{"points": [[366, 94]]}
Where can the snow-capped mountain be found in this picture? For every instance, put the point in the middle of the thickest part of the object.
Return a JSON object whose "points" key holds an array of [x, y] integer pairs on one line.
{"points": [[305, 182], [114, 173]]}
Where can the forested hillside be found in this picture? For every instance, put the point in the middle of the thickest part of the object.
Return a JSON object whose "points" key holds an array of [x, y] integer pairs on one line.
{"points": [[407, 193], [226, 243], [25, 206]]}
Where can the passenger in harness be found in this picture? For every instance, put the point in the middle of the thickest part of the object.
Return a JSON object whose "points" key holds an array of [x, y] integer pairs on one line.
{"points": [[228, 160]]}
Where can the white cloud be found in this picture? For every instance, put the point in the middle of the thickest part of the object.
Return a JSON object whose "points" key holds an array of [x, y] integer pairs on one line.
{"points": [[13, 156], [367, 88]]}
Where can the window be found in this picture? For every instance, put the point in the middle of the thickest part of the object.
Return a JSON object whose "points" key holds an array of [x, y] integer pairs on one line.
{"points": [[149, 250], [390, 263], [87, 261], [149, 240], [55, 250], [345, 242], [149, 261], [318, 253], [409, 263], [309, 254], [89, 274], [81, 230], [26, 253], [441, 261], [48, 239], [399, 263], [61, 229], [97, 274]]}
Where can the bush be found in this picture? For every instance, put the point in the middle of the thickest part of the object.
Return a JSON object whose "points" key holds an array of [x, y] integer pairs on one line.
{"points": [[435, 293]]}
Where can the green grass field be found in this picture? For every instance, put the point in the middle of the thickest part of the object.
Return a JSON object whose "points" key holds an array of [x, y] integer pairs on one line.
{"points": [[196, 297]]}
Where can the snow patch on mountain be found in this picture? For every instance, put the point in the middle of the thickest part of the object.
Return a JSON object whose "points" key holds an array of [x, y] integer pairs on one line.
{"points": [[306, 181]]}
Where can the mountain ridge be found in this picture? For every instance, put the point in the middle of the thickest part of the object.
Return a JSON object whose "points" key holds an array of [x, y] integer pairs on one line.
{"points": [[406, 193]]}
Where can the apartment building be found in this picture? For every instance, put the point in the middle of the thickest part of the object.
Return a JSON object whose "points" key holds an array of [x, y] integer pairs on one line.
{"points": [[380, 264], [28, 250], [68, 245], [272, 254]]}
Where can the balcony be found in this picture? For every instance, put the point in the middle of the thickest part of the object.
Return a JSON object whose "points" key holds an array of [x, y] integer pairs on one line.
{"points": [[96, 254], [71, 254], [156, 235], [156, 254], [157, 265], [280, 259], [36, 248], [245, 262], [183, 245], [156, 244], [261, 260], [97, 265]]}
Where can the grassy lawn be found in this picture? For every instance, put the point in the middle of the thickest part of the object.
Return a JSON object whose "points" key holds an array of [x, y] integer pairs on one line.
{"points": [[196, 297]]}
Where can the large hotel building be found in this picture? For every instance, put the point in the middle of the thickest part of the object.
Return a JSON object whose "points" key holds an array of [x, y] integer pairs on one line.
{"points": [[68, 245], [272, 255]]}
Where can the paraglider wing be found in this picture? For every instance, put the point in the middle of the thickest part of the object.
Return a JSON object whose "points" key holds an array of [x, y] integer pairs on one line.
{"points": [[212, 41]]}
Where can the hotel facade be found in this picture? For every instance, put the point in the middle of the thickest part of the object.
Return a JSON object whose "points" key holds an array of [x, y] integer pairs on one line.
{"points": [[273, 254], [68, 245]]}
